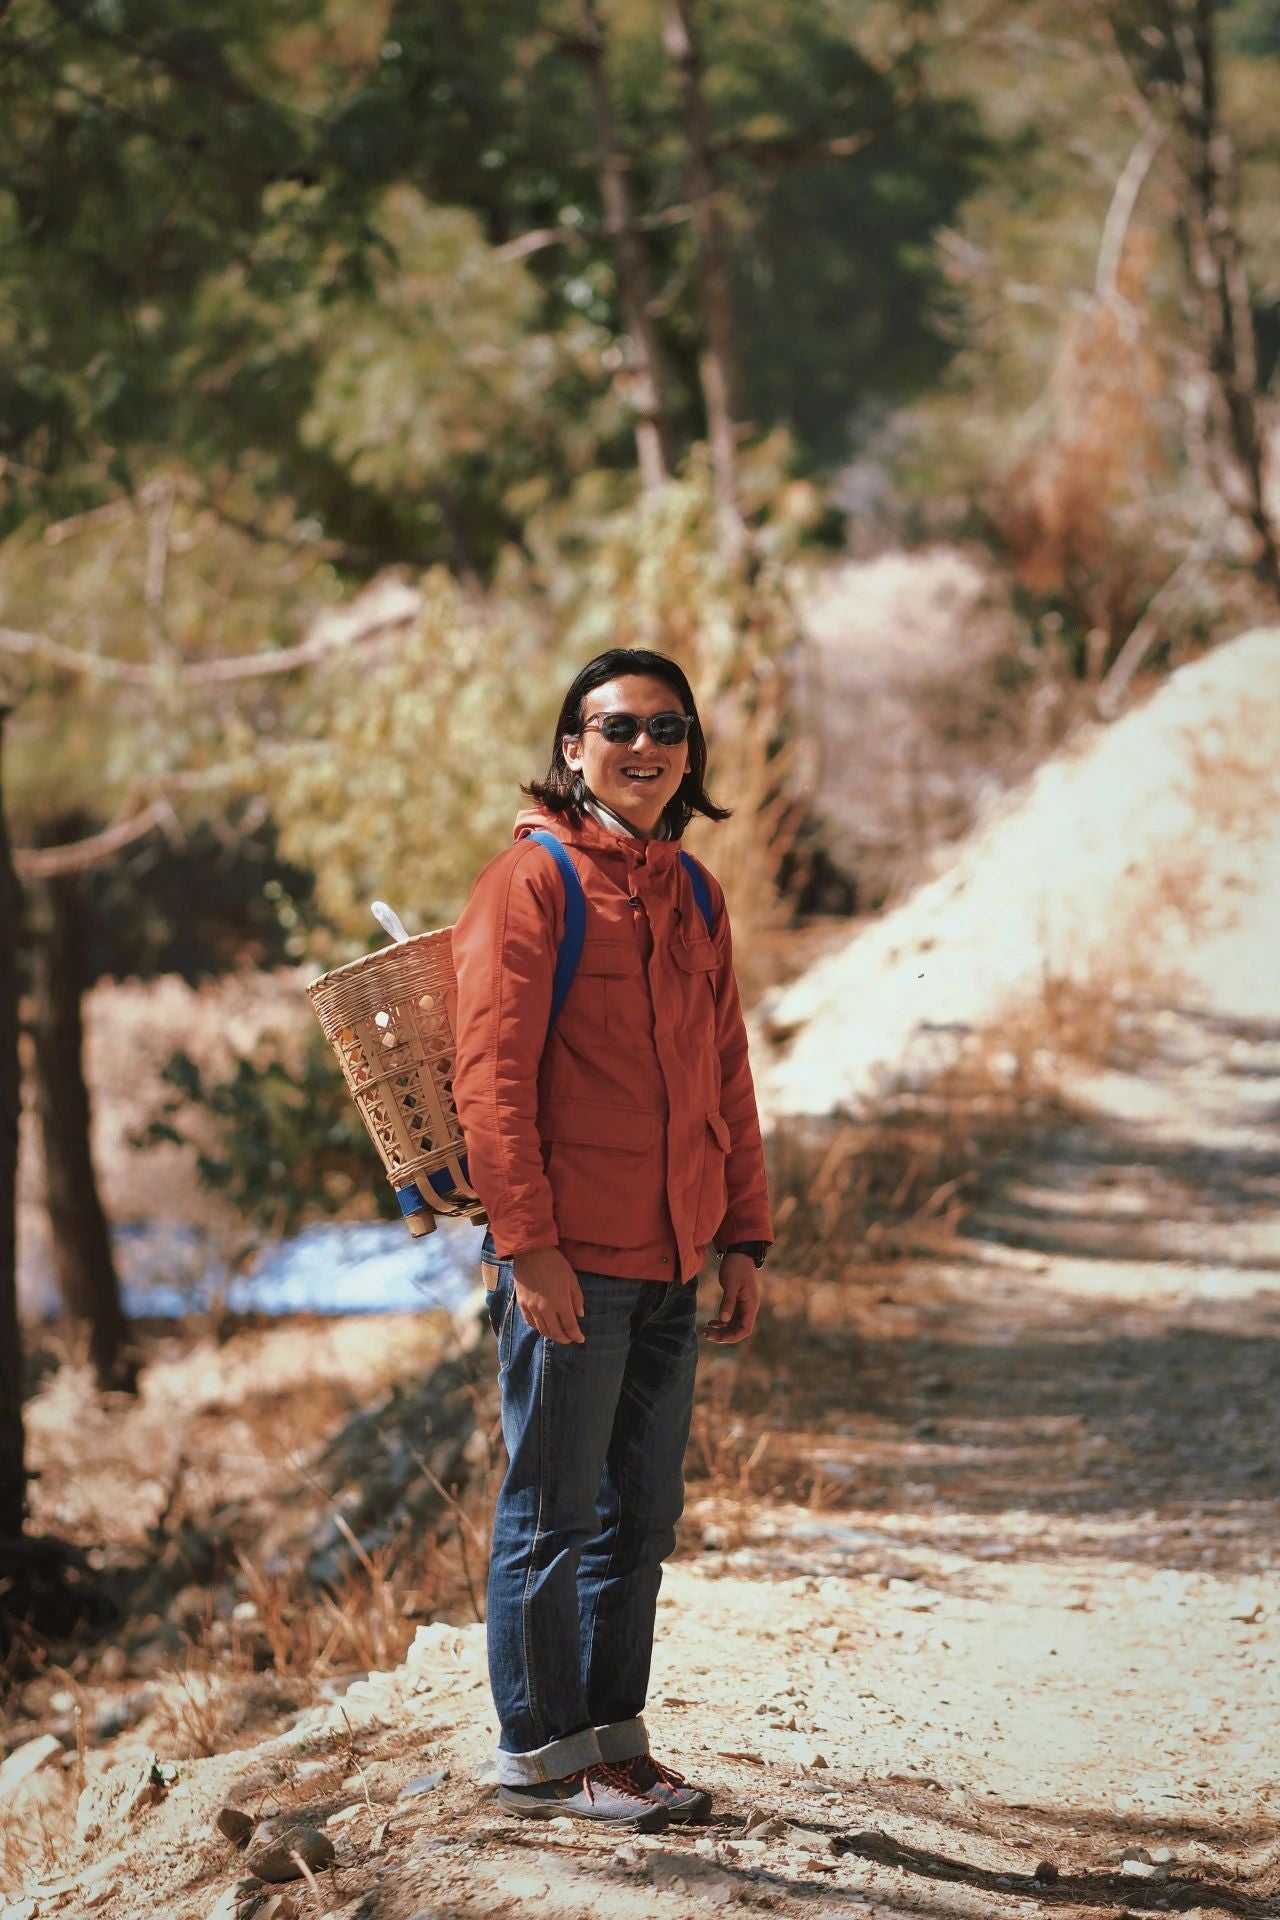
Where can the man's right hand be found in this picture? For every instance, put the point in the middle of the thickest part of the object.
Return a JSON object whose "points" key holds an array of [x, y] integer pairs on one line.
{"points": [[548, 1295]]}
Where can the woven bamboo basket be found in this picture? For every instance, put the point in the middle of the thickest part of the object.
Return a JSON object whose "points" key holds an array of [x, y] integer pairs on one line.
{"points": [[389, 1019]]}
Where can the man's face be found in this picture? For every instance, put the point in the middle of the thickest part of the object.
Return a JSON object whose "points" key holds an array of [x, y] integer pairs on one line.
{"points": [[635, 778]]}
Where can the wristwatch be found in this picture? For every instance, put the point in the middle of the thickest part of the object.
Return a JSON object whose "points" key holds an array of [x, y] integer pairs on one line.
{"points": [[758, 1249]]}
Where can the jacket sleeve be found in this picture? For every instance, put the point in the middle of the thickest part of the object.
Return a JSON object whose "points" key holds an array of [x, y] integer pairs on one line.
{"points": [[747, 1212], [504, 954]]}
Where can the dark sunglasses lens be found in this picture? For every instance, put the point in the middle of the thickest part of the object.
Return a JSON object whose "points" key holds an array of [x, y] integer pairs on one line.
{"points": [[665, 729]]}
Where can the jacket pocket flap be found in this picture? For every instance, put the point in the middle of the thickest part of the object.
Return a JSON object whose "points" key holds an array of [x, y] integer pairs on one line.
{"points": [[720, 1129], [586, 1123], [614, 957], [695, 956]]}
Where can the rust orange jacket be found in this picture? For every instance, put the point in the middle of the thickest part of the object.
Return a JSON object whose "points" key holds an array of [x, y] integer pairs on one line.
{"points": [[628, 1136]]}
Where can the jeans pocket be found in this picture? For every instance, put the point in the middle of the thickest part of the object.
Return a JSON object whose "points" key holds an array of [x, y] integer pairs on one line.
{"points": [[499, 1305], [506, 1325]]}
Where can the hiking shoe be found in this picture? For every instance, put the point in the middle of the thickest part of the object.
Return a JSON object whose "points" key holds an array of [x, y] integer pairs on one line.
{"points": [[600, 1793], [666, 1788]]}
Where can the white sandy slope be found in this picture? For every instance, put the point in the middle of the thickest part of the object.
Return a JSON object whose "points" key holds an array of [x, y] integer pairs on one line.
{"points": [[1122, 855]]}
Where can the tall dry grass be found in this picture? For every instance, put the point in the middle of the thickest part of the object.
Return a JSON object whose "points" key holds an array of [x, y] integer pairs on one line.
{"points": [[903, 1180]]}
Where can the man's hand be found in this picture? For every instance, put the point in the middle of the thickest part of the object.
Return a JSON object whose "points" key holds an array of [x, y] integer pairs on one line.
{"points": [[548, 1295], [739, 1300]]}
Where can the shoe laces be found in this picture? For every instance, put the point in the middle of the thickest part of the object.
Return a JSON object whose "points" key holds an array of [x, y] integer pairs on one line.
{"points": [[666, 1775], [615, 1779]]}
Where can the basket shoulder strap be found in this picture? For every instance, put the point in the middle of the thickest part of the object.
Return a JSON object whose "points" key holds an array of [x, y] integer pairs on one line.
{"points": [[701, 891], [575, 922]]}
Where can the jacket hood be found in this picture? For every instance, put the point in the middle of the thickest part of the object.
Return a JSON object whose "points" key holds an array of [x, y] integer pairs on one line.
{"points": [[589, 833]]}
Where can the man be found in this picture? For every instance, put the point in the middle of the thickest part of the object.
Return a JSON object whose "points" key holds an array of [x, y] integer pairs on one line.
{"points": [[611, 1147]]}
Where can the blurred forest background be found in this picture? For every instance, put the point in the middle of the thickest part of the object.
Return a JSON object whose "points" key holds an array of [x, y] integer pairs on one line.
{"points": [[366, 367]]}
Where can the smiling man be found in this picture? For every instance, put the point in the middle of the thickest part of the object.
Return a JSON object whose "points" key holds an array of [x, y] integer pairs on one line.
{"points": [[613, 1138]]}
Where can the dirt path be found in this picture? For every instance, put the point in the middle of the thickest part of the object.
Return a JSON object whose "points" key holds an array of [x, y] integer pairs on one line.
{"points": [[985, 1596]]}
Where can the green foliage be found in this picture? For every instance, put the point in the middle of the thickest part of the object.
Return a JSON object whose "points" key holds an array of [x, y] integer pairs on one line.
{"points": [[161, 580], [135, 152], [445, 368], [842, 301], [651, 573], [1252, 27], [240, 241], [288, 1145], [402, 770], [841, 294]]}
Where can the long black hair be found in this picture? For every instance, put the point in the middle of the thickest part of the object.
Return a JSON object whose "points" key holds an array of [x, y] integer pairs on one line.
{"points": [[562, 790]]}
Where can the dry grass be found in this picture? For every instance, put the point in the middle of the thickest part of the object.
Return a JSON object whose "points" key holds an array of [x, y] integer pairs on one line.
{"points": [[192, 1719], [724, 1448], [904, 1181], [203, 1499], [33, 1840], [756, 776]]}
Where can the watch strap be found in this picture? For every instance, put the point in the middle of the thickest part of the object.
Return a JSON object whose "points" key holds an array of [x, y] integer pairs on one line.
{"points": [[757, 1249]]}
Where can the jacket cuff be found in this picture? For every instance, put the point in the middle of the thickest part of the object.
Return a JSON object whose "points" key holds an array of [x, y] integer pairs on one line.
{"points": [[740, 1226]]}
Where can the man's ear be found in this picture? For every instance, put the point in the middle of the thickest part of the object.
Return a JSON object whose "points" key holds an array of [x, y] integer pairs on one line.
{"points": [[571, 748]]}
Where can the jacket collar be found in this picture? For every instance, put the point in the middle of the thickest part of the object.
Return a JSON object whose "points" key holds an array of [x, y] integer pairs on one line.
{"points": [[614, 823], [604, 842]]}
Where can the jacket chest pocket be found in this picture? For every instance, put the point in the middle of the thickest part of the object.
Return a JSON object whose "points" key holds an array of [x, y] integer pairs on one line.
{"points": [[605, 990], [695, 963]]}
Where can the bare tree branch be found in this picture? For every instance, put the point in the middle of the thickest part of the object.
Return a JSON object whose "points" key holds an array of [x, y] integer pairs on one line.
{"points": [[159, 527], [106, 515], [136, 821], [1124, 201], [78, 856], [798, 150], [383, 607], [537, 240], [1148, 630]]}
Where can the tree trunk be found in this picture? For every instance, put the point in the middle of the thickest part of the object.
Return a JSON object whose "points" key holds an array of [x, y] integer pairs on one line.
{"points": [[718, 361], [1221, 291], [654, 442], [13, 1477], [83, 1260]]}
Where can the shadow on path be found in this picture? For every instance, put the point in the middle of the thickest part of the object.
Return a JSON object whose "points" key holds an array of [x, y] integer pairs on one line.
{"points": [[1104, 1349]]}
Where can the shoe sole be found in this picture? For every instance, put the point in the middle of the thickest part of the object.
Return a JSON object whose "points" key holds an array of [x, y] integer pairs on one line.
{"points": [[652, 1821]]}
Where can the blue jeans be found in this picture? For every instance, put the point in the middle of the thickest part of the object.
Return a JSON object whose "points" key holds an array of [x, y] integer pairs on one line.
{"points": [[596, 1436]]}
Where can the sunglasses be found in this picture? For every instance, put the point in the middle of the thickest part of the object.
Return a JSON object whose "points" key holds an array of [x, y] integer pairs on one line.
{"points": [[619, 729]]}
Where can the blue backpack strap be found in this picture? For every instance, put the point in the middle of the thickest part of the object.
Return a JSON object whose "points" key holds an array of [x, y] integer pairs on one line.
{"points": [[701, 891], [575, 922]]}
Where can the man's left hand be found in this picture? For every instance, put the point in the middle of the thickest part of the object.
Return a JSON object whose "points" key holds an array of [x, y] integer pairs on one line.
{"points": [[740, 1293]]}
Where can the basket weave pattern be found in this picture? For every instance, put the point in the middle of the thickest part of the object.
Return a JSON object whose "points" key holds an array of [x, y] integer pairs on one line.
{"points": [[388, 1018]]}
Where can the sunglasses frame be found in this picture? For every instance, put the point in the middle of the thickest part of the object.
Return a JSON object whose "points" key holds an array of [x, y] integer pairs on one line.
{"points": [[641, 723]]}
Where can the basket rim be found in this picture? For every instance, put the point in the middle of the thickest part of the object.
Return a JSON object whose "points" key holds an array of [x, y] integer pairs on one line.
{"points": [[371, 962]]}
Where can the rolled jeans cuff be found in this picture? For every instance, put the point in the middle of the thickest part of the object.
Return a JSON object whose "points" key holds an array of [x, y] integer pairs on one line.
{"points": [[556, 1761], [622, 1740]]}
